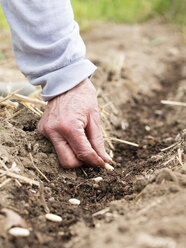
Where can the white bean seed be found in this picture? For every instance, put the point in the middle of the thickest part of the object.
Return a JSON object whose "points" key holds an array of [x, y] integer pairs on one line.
{"points": [[109, 167], [74, 201], [19, 232], [97, 179], [53, 217]]}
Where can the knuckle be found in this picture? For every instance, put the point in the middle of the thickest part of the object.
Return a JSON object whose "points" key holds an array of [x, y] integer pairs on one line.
{"points": [[84, 155], [70, 126], [49, 127], [64, 127]]}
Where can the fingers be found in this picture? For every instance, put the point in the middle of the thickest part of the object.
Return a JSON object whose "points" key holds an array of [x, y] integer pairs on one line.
{"points": [[95, 137], [81, 146], [65, 154]]}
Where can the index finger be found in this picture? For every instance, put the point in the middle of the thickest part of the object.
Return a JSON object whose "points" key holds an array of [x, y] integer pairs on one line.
{"points": [[82, 148]]}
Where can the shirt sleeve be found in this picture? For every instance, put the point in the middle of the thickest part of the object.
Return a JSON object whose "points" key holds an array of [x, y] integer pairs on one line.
{"points": [[48, 47]]}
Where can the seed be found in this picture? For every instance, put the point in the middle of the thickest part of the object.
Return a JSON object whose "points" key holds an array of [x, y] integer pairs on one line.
{"points": [[98, 179], [109, 167], [74, 201], [19, 232], [53, 217]]}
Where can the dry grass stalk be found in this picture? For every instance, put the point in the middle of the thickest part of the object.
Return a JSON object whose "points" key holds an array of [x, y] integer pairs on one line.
{"points": [[169, 147], [37, 169], [84, 172], [5, 182], [13, 168], [4, 165], [39, 111], [179, 157], [15, 114], [42, 194], [28, 99], [121, 141], [10, 95], [9, 104], [101, 212], [29, 106], [103, 111], [107, 140], [113, 108], [168, 161], [174, 103], [19, 177]]}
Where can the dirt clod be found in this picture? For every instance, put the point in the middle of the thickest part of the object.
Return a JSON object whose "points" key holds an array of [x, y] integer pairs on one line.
{"points": [[165, 175]]}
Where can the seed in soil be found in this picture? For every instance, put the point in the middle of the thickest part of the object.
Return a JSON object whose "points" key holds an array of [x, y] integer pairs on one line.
{"points": [[98, 179], [74, 201], [53, 217], [109, 167], [19, 232]]}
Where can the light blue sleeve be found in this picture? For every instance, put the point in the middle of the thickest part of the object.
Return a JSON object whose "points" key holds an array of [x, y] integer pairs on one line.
{"points": [[47, 44]]}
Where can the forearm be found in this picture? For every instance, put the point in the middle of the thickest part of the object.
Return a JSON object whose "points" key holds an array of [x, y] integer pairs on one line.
{"points": [[47, 45]]}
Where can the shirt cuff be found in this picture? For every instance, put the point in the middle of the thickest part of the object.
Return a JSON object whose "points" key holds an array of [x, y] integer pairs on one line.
{"points": [[63, 79]]}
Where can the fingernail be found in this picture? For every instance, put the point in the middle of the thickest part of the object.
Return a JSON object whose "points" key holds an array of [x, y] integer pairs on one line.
{"points": [[108, 156]]}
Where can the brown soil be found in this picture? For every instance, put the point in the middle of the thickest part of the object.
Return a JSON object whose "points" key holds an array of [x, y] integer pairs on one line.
{"points": [[144, 196]]}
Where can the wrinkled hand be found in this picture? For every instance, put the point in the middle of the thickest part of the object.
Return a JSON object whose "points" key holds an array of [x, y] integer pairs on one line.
{"points": [[71, 122]]}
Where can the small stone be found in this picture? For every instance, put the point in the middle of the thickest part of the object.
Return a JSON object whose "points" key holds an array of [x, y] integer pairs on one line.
{"points": [[53, 217], [109, 167], [74, 201], [19, 232], [95, 186]]}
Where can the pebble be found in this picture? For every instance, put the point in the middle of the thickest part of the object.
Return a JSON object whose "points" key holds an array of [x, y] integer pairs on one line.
{"points": [[96, 186], [53, 217], [19, 232], [109, 167], [140, 184], [98, 179], [74, 201]]}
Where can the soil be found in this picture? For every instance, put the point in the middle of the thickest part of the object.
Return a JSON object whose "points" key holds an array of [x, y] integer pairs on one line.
{"points": [[144, 198]]}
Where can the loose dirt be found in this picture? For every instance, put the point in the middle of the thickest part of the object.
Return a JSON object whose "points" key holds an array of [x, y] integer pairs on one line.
{"points": [[144, 198]]}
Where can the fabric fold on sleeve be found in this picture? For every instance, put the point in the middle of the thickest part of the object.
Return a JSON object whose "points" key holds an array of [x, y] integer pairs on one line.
{"points": [[68, 77], [47, 44]]}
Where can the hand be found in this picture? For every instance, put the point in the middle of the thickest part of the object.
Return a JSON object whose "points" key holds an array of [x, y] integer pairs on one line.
{"points": [[71, 122]]}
